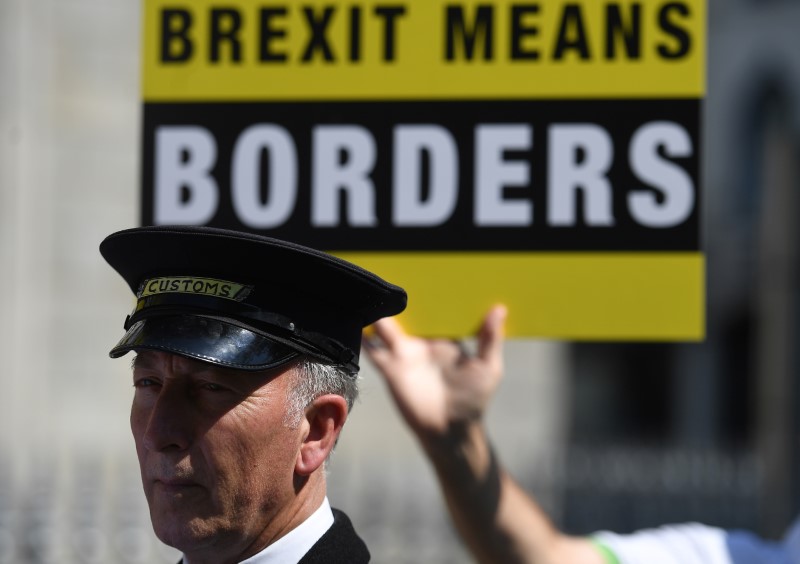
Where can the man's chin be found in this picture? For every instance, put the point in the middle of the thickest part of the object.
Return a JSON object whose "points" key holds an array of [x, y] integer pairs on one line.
{"points": [[184, 537], [183, 529]]}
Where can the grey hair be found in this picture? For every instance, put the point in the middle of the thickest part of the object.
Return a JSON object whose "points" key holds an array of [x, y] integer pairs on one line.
{"points": [[313, 379]]}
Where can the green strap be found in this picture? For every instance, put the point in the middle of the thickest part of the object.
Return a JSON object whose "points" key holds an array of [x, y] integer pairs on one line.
{"points": [[605, 552]]}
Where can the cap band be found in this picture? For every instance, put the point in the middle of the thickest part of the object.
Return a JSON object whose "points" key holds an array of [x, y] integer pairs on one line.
{"points": [[269, 325], [193, 285]]}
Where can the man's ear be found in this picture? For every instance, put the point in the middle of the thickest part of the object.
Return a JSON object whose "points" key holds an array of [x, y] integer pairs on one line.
{"points": [[323, 419]]}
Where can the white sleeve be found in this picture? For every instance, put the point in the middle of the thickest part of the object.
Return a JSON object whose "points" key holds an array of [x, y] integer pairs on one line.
{"points": [[691, 543]]}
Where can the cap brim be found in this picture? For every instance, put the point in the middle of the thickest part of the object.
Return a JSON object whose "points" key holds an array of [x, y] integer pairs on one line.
{"points": [[206, 339]]}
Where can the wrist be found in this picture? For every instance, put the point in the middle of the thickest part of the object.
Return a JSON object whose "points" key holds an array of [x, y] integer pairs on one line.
{"points": [[463, 449]]}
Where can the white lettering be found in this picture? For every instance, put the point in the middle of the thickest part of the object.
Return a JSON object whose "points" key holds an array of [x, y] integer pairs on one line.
{"points": [[246, 176], [580, 156], [185, 191], [343, 158], [408, 206], [493, 174], [673, 182]]}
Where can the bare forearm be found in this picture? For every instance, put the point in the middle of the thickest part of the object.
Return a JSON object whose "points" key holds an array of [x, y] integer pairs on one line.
{"points": [[495, 517]]}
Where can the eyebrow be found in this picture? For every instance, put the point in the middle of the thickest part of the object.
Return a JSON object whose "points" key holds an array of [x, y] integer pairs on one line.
{"points": [[141, 360], [145, 359]]}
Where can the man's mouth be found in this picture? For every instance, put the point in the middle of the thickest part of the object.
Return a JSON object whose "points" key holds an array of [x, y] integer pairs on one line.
{"points": [[174, 485]]}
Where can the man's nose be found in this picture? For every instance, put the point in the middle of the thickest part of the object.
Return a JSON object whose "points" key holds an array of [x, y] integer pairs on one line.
{"points": [[169, 424]]}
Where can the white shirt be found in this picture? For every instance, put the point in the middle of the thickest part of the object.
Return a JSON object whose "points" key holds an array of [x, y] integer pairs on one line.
{"points": [[291, 547], [691, 543], [694, 543]]}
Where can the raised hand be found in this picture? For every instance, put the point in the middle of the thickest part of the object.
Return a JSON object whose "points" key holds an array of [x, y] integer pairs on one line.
{"points": [[436, 384]]}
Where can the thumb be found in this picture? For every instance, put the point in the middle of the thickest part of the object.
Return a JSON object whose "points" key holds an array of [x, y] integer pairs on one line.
{"points": [[491, 335]]}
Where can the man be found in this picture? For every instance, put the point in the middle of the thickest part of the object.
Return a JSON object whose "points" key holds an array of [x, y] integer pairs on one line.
{"points": [[245, 371], [442, 393]]}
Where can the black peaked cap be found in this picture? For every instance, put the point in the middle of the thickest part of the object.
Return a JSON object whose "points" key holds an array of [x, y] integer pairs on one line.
{"points": [[244, 300]]}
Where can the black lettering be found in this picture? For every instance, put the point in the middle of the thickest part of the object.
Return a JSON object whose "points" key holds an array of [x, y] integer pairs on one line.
{"points": [[318, 40], [197, 287], [211, 287], [176, 47], [225, 290], [671, 28], [173, 286], [270, 33], [631, 35], [389, 15], [163, 285], [519, 31], [456, 25], [152, 287], [355, 33], [572, 33], [225, 25]]}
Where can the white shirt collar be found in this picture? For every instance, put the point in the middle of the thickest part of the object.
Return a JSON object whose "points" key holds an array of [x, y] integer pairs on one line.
{"points": [[291, 547]]}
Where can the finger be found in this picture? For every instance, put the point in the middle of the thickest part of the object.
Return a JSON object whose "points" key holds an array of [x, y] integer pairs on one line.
{"points": [[379, 355], [389, 331], [491, 334]]}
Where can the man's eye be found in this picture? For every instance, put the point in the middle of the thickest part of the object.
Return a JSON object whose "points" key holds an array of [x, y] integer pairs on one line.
{"points": [[144, 383]]}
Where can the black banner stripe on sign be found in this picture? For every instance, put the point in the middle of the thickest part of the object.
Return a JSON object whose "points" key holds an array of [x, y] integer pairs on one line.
{"points": [[537, 175]]}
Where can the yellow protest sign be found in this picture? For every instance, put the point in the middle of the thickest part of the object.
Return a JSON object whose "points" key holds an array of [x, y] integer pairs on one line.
{"points": [[544, 154]]}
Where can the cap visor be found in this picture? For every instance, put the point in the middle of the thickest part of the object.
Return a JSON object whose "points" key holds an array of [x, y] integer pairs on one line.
{"points": [[205, 339]]}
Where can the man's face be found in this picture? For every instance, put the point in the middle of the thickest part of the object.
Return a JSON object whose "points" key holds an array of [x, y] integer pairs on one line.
{"points": [[216, 458]]}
